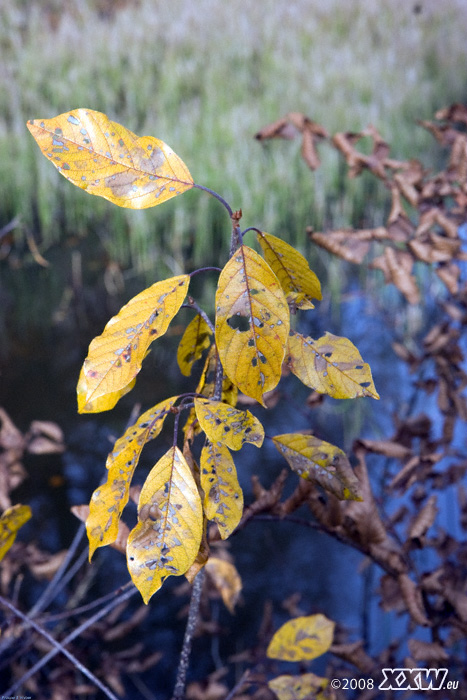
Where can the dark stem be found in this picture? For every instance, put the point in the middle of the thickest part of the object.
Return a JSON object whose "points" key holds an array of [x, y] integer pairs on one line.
{"points": [[179, 690], [84, 626], [192, 304], [216, 195], [59, 647]]}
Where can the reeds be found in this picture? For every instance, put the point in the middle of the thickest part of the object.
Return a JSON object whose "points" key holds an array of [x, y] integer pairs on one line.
{"points": [[204, 77]]}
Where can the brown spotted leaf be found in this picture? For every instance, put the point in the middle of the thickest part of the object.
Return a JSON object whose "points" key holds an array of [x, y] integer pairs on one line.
{"points": [[300, 284], [10, 522], [227, 425], [108, 500], [303, 638], [252, 323], [195, 340], [330, 365], [320, 462], [223, 497], [115, 357], [226, 579], [167, 538], [106, 159], [307, 686]]}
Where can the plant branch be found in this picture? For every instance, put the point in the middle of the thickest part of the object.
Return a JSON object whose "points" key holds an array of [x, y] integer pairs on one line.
{"points": [[59, 647], [192, 304], [84, 626], [216, 195], [179, 690]]}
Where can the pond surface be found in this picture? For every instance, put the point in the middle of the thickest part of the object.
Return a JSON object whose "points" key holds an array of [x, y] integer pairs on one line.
{"points": [[274, 559]]}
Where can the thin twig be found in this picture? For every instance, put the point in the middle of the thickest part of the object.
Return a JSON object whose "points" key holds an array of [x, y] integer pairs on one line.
{"points": [[84, 626], [60, 648], [216, 195], [192, 304], [179, 690]]}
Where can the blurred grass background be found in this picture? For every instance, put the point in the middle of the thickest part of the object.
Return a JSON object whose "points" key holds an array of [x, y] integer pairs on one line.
{"points": [[204, 76]]}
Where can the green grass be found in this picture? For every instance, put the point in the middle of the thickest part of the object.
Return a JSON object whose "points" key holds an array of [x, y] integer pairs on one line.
{"points": [[204, 76]]}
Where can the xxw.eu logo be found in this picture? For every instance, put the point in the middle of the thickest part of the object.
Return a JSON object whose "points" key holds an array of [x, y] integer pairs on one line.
{"points": [[415, 679]]}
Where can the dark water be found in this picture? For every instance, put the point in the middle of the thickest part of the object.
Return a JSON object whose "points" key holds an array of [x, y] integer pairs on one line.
{"points": [[274, 559]]}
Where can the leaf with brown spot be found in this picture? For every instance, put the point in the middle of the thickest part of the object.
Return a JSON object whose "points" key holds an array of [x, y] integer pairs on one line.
{"points": [[302, 639], [194, 341], [300, 284], [330, 365], [108, 500], [226, 579], [167, 537], [252, 323], [115, 357], [320, 462], [10, 522], [223, 496], [106, 159], [227, 425], [307, 686]]}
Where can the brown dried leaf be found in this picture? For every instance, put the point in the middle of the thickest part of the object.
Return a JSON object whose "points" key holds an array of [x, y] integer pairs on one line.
{"points": [[427, 651], [397, 266], [424, 519], [413, 600]]}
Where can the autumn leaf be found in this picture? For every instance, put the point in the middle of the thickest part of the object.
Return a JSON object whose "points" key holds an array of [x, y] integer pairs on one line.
{"points": [[300, 284], [330, 365], [115, 357], [227, 425], [168, 535], [108, 500], [226, 579], [302, 639], [320, 462], [307, 686], [207, 387], [10, 522], [223, 497], [195, 340], [102, 403], [106, 159], [252, 323]]}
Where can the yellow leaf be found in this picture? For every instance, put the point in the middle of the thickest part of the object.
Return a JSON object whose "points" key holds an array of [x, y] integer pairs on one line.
{"points": [[252, 323], [330, 365], [115, 357], [299, 283], [319, 461], [202, 556], [227, 425], [302, 639], [103, 403], [10, 522], [308, 686], [108, 500], [226, 579], [195, 339], [167, 538], [223, 497], [207, 386], [106, 159]]}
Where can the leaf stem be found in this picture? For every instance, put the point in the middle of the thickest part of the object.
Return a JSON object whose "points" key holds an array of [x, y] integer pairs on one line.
{"points": [[193, 612], [192, 304], [217, 196]]}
